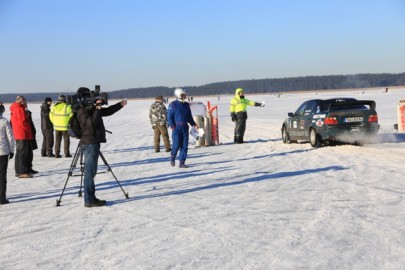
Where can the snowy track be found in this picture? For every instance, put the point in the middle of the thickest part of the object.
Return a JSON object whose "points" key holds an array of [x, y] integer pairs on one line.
{"points": [[260, 205]]}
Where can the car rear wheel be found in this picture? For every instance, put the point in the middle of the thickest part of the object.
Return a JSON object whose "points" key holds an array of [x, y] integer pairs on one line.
{"points": [[358, 143], [314, 138]]}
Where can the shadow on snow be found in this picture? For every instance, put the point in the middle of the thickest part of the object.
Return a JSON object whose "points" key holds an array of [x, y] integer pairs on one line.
{"points": [[263, 177], [183, 174]]}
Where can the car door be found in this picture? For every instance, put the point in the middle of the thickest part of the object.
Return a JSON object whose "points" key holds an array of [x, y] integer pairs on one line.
{"points": [[295, 129], [304, 120], [307, 118]]}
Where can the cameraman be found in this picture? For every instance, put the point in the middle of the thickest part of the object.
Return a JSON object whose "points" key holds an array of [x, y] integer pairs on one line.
{"points": [[93, 133]]}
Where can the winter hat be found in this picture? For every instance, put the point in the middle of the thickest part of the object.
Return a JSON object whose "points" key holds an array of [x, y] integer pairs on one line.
{"points": [[47, 99], [159, 98], [62, 98]]}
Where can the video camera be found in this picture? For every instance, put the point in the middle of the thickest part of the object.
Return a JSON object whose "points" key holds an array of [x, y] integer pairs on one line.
{"points": [[86, 98]]}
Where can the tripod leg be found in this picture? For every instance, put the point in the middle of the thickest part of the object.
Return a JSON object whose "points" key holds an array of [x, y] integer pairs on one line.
{"points": [[63, 190], [70, 173], [109, 168]]}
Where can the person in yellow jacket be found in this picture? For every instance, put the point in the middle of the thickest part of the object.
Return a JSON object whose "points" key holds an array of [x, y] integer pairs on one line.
{"points": [[239, 114], [59, 116]]}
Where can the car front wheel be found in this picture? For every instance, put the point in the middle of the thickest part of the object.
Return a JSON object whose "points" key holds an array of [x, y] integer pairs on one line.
{"points": [[285, 136], [314, 138]]}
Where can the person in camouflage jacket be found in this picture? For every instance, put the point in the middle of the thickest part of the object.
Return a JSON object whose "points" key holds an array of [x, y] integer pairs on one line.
{"points": [[158, 119]]}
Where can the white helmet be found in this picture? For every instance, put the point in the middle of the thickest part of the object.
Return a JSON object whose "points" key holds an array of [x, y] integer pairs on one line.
{"points": [[178, 92]]}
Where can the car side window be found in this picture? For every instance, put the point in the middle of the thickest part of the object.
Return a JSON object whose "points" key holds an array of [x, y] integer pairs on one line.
{"points": [[301, 109], [311, 107], [325, 105]]}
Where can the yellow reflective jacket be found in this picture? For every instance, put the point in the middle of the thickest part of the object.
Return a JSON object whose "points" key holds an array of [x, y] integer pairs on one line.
{"points": [[239, 104], [60, 115]]}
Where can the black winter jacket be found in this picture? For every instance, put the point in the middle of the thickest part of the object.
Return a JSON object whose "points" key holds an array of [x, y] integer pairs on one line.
{"points": [[45, 121], [92, 125]]}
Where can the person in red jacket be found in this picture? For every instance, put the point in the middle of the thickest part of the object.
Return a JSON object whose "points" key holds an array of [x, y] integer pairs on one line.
{"points": [[23, 135]]}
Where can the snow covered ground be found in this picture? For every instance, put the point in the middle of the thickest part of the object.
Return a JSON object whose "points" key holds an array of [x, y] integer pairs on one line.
{"points": [[260, 205]]}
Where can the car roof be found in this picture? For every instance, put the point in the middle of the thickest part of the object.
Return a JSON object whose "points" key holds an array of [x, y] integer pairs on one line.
{"points": [[337, 99]]}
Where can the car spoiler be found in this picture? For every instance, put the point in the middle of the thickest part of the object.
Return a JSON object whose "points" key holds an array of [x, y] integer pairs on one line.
{"points": [[370, 103]]}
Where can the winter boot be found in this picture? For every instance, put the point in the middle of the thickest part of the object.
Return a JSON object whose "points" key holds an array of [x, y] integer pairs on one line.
{"points": [[239, 140], [172, 161], [183, 165], [43, 154], [96, 203], [4, 201], [32, 171]]}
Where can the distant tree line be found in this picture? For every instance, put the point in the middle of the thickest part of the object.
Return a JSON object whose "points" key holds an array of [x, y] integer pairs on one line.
{"points": [[317, 83]]}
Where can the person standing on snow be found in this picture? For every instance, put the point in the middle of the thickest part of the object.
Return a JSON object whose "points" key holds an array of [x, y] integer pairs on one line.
{"points": [[93, 134], [34, 144], [60, 115], [158, 119], [23, 134], [47, 129], [7, 144], [239, 114], [179, 116]]}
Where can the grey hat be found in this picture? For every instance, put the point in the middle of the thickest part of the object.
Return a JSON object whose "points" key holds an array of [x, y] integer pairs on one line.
{"points": [[62, 98]]}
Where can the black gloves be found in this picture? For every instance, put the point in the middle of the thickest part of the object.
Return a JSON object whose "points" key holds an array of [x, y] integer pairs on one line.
{"points": [[233, 116], [11, 155]]}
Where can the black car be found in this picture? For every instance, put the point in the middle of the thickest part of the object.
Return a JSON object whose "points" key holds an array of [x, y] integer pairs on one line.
{"points": [[328, 121]]}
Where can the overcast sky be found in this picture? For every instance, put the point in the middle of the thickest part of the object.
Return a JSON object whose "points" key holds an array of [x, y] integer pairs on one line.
{"points": [[60, 45]]}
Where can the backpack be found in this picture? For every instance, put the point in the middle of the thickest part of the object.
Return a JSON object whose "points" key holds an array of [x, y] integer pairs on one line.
{"points": [[75, 130]]}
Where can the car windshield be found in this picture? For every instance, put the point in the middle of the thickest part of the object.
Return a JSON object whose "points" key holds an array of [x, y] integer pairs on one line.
{"points": [[325, 104]]}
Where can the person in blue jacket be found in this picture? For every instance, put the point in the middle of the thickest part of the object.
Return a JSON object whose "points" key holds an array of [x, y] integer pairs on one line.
{"points": [[179, 116]]}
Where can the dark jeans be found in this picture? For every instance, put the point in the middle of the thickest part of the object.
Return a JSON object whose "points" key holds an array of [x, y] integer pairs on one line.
{"points": [[23, 156], [3, 177], [47, 142], [180, 142], [91, 153], [66, 142], [31, 154]]}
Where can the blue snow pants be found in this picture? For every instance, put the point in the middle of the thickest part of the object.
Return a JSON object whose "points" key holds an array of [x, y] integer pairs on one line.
{"points": [[180, 142]]}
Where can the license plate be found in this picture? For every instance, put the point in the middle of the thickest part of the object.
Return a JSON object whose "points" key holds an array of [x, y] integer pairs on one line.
{"points": [[353, 119]]}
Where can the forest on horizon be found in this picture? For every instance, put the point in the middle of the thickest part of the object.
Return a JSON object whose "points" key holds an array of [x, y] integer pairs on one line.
{"points": [[305, 83]]}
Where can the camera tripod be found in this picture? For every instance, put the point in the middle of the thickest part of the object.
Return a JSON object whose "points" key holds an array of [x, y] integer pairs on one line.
{"points": [[79, 155]]}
